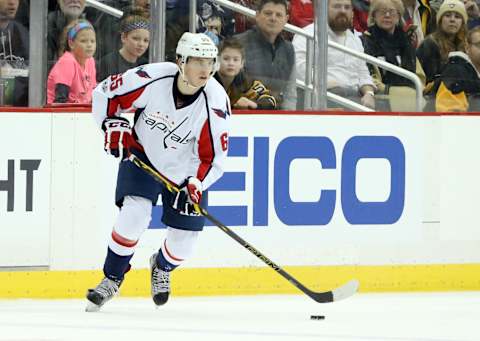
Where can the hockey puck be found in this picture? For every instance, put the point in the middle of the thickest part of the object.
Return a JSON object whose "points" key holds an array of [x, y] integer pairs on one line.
{"points": [[317, 317]]}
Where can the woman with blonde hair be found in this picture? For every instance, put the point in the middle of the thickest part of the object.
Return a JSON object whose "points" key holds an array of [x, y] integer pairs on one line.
{"points": [[386, 40]]}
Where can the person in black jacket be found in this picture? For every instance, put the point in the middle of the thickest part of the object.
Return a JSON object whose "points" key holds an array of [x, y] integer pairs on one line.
{"points": [[449, 36], [459, 84], [14, 55], [385, 39]]}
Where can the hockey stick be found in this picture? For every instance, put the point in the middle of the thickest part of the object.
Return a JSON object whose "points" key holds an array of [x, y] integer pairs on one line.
{"points": [[334, 295]]}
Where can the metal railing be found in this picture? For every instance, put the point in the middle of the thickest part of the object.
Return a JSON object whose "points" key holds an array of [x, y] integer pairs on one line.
{"points": [[104, 8], [38, 75], [375, 61]]}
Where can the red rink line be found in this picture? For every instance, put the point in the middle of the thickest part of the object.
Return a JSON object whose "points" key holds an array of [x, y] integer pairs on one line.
{"points": [[88, 109]]}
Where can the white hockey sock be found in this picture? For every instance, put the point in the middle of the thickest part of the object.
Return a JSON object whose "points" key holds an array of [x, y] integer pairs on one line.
{"points": [[132, 220], [178, 245]]}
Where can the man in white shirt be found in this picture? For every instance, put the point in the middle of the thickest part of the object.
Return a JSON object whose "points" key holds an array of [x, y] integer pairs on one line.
{"points": [[347, 76]]}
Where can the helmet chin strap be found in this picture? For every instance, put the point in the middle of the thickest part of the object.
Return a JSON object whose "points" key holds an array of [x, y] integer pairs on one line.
{"points": [[185, 80]]}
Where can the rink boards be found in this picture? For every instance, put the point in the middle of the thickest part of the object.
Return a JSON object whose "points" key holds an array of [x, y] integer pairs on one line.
{"points": [[388, 199]]}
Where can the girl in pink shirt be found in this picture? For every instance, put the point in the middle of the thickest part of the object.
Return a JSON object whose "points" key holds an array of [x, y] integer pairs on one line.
{"points": [[73, 78]]}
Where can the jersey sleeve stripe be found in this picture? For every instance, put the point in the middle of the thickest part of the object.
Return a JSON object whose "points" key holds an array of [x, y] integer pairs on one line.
{"points": [[124, 101], [206, 151]]}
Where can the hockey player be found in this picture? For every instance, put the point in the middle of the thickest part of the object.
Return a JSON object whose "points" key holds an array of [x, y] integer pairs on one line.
{"points": [[180, 128]]}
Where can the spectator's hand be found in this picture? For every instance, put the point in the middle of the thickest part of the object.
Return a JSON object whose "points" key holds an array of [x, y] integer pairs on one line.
{"points": [[368, 100], [266, 102], [257, 89], [118, 136], [410, 30], [189, 194], [472, 9], [245, 103]]}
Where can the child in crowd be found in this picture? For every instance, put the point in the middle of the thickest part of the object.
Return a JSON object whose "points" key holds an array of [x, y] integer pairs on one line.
{"points": [[135, 37], [448, 37], [73, 77], [243, 93]]}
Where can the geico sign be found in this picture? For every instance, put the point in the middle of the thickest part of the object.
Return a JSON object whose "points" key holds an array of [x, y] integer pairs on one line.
{"points": [[319, 212]]}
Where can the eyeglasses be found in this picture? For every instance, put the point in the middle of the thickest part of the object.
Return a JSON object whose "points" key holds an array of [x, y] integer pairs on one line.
{"points": [[390, 11]]}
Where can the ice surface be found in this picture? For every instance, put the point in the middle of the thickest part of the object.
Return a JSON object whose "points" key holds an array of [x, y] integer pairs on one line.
{"points": [[364, 317]]}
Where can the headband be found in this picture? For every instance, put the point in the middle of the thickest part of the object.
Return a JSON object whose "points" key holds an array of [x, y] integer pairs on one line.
{"points": [[136, 25], [72, 33]]}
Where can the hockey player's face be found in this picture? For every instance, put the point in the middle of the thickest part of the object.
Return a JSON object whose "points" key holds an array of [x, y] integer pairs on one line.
{"points": [[84, 45], [198, 70], [136, 42], [231, 62]]}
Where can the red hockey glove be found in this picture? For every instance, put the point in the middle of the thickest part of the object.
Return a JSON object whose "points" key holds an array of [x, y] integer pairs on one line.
{"points": [[118, 136], [190, 193]]}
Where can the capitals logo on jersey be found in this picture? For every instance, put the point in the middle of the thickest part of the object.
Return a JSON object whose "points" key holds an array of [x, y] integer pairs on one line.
{"points": [[142, 73], [220, 113]]}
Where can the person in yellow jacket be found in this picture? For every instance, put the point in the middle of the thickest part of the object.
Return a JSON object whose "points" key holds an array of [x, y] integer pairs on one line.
{"points": [[459, 84]]}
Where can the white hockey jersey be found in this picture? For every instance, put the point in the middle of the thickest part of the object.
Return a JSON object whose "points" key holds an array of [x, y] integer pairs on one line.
{"points": [[191, 141]]}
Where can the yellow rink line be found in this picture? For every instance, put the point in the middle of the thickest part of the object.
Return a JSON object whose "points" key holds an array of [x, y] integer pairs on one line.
{"points": [[246, 281]]}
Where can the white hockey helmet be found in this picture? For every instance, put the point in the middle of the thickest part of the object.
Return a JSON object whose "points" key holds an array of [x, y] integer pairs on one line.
{"points": [[196, 45]]}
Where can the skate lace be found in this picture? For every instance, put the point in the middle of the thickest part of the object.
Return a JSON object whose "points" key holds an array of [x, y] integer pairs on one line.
{"points": [[107, 287], [160, 281]]}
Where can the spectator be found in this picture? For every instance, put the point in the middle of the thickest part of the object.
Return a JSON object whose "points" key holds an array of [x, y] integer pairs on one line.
{"points": [[210, 9], [14, 52], [243, 93], [347, 76], [385, 39], [449, 36], [69, 11], [459, 88], [301, 12], [419, 19], [269, 57], [73, 77], [212, 27], [473, 13], [135, 36], [108, 26]]}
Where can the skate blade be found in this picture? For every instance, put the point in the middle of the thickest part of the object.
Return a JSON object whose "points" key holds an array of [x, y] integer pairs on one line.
{"points": [[92, 307]]}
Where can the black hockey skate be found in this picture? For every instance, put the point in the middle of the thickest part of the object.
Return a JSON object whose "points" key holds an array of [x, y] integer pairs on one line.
{"points": [[160, 281], [102, 293]]}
